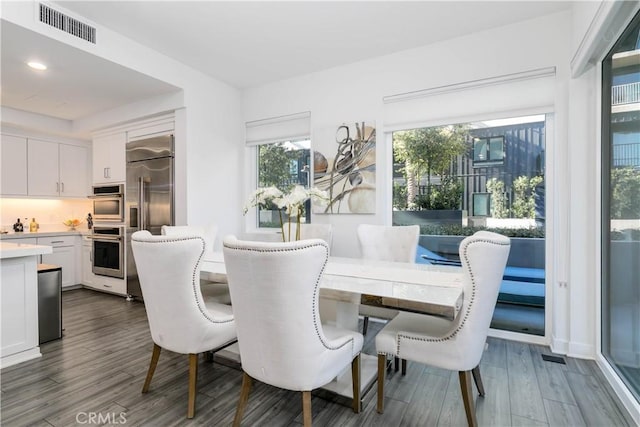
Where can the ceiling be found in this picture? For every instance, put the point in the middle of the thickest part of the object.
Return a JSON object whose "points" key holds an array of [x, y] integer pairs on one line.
{"points": [[242, 43], [75, 85]]}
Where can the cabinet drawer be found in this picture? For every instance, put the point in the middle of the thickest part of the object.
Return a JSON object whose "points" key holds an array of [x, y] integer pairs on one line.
{"points": [[106, 284], [57, 241]]}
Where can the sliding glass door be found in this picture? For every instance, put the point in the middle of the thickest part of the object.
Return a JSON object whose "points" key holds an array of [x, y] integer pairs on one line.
{"points": [[621, 206]]}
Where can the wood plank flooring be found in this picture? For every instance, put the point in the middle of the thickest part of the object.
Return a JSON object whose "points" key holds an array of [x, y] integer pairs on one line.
{"points": [[99, 368]]}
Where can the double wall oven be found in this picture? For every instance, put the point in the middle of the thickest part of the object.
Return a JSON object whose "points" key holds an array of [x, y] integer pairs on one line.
{"points": [[108, 238]]}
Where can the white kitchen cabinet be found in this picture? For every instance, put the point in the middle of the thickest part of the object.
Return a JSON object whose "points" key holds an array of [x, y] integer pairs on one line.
{"points": [[43, 168], [13, 164], [74, 171], [64, 255], [88, 278], [55, 169], [109, 159]]}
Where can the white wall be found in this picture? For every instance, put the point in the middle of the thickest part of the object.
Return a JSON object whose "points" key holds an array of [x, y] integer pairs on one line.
{"points": [[355, 92], [208, 121]]}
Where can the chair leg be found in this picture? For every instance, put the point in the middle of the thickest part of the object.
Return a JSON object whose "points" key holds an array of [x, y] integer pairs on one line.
{"points": [[193, 377], [478, 380], [365, 326], [355, 381], [382, 362], [306, 408], [396, 364], [467, 397], [404, 367], [152, 367], [244, 398]]}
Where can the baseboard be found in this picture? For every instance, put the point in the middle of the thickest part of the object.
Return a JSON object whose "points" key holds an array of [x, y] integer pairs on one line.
{"points": [[581, 351], [559, 346]]}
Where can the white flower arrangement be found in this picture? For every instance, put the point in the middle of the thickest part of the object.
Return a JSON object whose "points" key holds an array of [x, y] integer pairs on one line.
{"points": [[292, 202]]}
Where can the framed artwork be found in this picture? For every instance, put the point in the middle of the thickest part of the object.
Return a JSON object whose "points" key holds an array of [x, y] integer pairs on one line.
{"points": [[344, 165]]}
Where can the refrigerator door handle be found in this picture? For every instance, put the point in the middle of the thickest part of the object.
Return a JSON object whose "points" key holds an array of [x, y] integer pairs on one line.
{"points": [[141, 224]]}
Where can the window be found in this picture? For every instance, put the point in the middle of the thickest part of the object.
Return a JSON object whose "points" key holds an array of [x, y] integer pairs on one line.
{"points": [[282, 165], [282, 148], [481, 204], [488, 151], [493, 171]]}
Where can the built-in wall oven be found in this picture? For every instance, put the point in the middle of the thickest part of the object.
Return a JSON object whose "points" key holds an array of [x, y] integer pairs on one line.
{"points": [[108, 251], [108, 202]]}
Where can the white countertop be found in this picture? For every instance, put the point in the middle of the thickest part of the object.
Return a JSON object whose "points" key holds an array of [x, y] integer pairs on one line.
{"points": [[16, 250], [27, 235]]}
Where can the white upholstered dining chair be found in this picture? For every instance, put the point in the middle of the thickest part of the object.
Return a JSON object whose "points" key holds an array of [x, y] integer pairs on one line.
{"points": [[274, 291], [383, 243], [179, 318], [455, 345], [310, 231], [213, 286]]}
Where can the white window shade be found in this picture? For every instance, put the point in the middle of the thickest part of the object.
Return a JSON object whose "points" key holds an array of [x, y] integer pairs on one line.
{"points": [[531, 92], [283, 128]]}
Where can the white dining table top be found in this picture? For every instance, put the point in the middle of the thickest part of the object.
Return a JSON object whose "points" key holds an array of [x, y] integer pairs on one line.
{"points": [[423, 288]]}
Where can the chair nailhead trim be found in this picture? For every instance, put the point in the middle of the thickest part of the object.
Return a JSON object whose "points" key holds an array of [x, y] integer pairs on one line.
{"points": [[194, 282], [471, 301], [317, 285]]}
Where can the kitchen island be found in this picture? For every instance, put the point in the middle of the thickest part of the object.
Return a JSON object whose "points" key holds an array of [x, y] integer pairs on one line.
{"points": [[19, 302]]}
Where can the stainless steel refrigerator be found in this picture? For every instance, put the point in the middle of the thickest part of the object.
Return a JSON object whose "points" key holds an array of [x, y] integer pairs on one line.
{"points": [[149, 194]]}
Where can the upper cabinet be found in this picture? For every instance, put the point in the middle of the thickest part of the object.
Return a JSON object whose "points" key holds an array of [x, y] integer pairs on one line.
{"points": [[109, 162], [58, 170], [13, 164]]}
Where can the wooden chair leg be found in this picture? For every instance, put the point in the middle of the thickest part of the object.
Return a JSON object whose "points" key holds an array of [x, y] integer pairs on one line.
{"points": [[467, 397], [193, 377], [355, 381], [365, 326], [152, 367], [478, 379], [244, 398], [404, 367], [382, 362], [306, 408]]}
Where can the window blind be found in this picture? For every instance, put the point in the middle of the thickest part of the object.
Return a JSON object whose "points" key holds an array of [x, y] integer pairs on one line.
{"points": [[275, 129], [531, 91]]}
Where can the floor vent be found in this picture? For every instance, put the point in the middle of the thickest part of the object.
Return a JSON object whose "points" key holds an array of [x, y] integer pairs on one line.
{"points": [[555, 359], [67, 24]]}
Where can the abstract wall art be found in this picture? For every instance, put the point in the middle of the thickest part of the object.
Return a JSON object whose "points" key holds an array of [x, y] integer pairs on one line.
{"points": [[345, 166]]}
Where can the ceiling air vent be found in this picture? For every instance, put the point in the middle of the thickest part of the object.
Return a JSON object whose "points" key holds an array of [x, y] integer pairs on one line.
{"points": [[67, 24]]}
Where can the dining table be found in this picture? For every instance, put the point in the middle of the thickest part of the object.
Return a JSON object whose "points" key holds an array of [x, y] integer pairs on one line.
{"points": [[347, 282]]}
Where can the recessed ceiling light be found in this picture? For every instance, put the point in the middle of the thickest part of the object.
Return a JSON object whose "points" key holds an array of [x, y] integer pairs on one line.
{"points": [[36, 65]]}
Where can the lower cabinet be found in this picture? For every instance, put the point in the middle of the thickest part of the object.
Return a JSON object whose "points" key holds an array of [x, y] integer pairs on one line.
{"points": [[64, 255]]}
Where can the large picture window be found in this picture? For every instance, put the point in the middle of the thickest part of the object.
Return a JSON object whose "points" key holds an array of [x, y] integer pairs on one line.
{"points": [[454, 180]]}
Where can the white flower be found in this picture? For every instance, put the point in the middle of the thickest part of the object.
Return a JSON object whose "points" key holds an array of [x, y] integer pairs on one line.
{"points": [[261, 197]]}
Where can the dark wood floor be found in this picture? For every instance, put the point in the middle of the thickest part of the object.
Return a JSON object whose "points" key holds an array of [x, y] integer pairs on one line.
{"points": [[100, 365]]}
